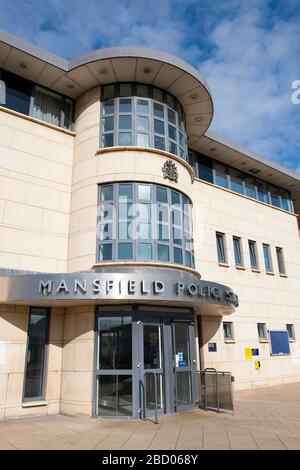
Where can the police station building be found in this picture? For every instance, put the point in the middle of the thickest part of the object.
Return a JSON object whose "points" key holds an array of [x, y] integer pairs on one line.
{"points": [[136, 246]]}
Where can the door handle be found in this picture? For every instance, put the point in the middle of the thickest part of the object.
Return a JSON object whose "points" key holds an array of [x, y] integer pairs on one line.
{"points": [[194, 361], [138, 364]]}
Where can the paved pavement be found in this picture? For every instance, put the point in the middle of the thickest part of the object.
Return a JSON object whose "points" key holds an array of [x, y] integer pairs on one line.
{"points": [[266, 418]]}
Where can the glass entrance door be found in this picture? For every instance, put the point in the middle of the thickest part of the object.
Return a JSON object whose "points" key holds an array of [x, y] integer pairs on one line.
{"points": [[114, 366], [144, 360], [152, 367], [184, 364]]}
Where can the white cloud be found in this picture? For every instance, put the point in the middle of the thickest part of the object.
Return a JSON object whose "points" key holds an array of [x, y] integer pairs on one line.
{"points": [[247, 51]]}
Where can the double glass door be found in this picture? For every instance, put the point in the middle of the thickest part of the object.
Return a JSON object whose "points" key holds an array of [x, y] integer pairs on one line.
{"points": [[144, 360]]}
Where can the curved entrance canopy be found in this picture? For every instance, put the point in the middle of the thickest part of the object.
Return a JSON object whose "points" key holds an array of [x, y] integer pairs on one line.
{"points": [[161, 286]]}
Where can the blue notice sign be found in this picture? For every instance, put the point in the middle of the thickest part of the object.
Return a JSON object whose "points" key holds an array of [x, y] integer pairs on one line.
{"points": [[255, 352], [183, 363], [212, 347]]}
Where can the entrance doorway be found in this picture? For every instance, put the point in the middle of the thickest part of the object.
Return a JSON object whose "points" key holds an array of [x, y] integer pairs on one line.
{"points": [[145, 359]]}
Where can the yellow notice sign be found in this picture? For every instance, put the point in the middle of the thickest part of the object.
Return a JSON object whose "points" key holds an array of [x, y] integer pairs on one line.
{"points": [[248, 353]]}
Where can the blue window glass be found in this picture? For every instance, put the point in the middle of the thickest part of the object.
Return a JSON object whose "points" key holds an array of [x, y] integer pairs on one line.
{"points": [[105, 252], [177, 255], [253, 254], [125, 191], [107, 140], [159, 126], [145, 251], [205, 171], [125, 106], [267, 258], [220, 237], [125, 138], [250, 189], [163, 253], [124, 122], [237, 251], [108, 123], [221, 176], [236, 182], [125, 251], [262, 192], [285, 201], [159, 143], [161, 194], [275, 199], [18, 92], [172, 132], [106, 193]]}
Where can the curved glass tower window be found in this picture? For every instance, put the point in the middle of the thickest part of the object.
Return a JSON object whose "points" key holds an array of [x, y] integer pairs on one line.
{"points": [[142, 116], [144, 222]]}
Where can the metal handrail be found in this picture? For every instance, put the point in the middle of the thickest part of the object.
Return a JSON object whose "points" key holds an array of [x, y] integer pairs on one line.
{"points": [[203, 388]]}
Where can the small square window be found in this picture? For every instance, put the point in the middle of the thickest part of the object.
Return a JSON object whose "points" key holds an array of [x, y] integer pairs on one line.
{"points": [[163, 253], [144, 192], [159, 127], [145, 251], [125, 138], [161, 194], [228, 331], [142, 106], [125, 191], [125, 106], [124, 122], [105, 252], [106, 193], [108, 123], [125, 251], [142, 123], [143, 140]]}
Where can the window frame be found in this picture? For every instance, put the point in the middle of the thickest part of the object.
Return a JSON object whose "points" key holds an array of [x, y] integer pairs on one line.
{"points": [[254, 243], [280, 261], [240, 248], [222, 236], [33, 86], [265, 338], [184, 243], [180, 133], [292, 338], [227, 339], [47, 311], [261, 188], [270, 261]]}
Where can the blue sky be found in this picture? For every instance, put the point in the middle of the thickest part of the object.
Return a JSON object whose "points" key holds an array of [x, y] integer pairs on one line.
{"points": [[248, 51]]}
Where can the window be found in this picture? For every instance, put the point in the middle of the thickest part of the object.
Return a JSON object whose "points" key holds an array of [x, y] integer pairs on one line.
{"points": [[238, 257], [208, 169], [144, 222], [262, 331], [228, 331], [267, 258], [280, 260], [253, 254], [25, 97], [36, 354], [220, 175], [205, 171], [143, 116], [220, 237], [236, 181], [291, 331]]}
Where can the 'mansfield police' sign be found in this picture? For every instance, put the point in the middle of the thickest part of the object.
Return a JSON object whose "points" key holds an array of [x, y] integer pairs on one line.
{"points": [[122, 286]]}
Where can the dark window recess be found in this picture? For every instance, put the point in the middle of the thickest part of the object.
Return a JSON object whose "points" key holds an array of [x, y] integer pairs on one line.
{"points": [[205, 170], [36, 354], [18, 93]]}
